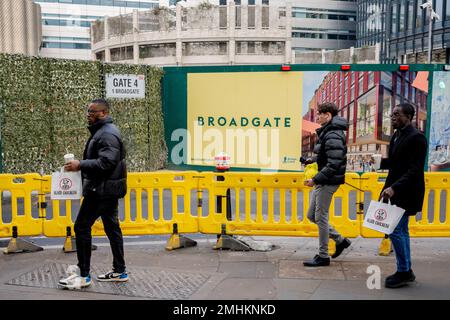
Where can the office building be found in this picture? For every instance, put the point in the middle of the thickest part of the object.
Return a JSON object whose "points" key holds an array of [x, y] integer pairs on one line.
{"points": [[66, 23], [402, 29]]}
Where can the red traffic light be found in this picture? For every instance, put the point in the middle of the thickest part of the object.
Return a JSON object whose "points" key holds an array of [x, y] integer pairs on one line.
{"points": [[285, 67], [345, 67]]}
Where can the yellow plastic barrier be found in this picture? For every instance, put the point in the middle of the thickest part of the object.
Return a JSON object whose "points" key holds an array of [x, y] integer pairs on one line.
{"points": [[434, 221], [260, 205], [19, 205], [162, 206], [234, 203]]}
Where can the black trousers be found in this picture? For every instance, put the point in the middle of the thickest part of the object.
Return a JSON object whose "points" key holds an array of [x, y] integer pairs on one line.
{"points": [[91, 209]]}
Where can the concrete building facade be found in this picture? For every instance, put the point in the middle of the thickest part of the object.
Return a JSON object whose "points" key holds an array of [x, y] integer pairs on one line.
{"points": [[316, 24], [323, 24], [200, 35], [20, 27], [66, 23]]}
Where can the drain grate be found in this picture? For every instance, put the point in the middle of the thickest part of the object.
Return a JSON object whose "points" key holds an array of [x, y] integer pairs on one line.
{"points": [[143, 282]]}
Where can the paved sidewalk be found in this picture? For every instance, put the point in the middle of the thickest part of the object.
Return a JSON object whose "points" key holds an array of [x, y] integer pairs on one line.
{"points": [[203, 273]]}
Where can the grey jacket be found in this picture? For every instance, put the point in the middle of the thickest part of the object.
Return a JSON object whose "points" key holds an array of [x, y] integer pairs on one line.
{"points": [[103, 167], [331, 150]]}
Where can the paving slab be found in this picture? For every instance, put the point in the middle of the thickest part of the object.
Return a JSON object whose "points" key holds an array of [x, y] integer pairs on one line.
{"points": [[296, 269]]}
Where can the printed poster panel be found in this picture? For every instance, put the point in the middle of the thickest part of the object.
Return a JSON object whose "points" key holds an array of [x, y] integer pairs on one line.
{"points": [[366, 99], [439, 145], [255, 117]]}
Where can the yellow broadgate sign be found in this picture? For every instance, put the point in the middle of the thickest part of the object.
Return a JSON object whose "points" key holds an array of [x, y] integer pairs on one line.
{"points": [[255, 117]]}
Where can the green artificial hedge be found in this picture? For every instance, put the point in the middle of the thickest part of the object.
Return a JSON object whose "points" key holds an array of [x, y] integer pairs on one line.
{"points": [[43, 113]]}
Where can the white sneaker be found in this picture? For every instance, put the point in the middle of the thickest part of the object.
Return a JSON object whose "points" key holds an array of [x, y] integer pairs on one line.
{"points": [[75, 281]]}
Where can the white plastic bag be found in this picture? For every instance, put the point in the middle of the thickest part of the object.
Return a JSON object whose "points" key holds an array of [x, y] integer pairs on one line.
{"points": [[383, 217], [66, 185]]}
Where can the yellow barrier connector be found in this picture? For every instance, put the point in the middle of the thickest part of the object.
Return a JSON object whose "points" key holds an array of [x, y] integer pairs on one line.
{"points": [[70, 244], [17, 245], [385, 247], [331, 247], [178, 241]]}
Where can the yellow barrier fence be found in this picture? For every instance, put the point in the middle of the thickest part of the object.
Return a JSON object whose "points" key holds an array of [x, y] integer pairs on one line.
{"points": [[20, 204], [156, 203], [233, 203], [433, 221], [272, 204]]}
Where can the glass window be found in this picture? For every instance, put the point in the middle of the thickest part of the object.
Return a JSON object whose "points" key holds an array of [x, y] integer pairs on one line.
{"points": [[386, 79], [360, 86], [351, 125], [448, 12], [386, 128], [365, 120], [352, 92], [402, 17], [371, 79], [399, 86], [394, 18], [410, 15], [439, 8], [419, 14]]}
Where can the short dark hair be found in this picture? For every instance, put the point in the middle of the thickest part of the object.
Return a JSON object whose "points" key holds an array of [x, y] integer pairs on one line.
{"points": [[328, 107], [407, 109], [101, 102]]}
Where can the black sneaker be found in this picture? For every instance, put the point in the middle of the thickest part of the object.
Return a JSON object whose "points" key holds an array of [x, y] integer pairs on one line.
{"points": [[317, 261], [113, 276], [399, 279], [340, 247]]}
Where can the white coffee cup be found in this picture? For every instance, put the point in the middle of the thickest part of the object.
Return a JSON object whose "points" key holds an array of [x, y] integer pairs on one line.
{"points": [[377, 159], [69, 157]]}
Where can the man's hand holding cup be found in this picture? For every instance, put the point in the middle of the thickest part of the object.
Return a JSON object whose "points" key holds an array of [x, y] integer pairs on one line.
{"points": [[70, 164]]}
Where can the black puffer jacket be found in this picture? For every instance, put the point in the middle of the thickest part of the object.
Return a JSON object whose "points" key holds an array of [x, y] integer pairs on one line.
{"points": [[331, 150], [103, 167]]}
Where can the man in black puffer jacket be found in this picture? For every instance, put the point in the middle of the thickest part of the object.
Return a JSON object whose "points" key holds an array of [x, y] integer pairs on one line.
{"points": [[104, 176], [331, 160]]}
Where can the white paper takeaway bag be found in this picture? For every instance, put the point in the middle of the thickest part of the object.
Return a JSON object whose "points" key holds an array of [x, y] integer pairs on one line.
{"points": [[66, 185], [382, 217]]}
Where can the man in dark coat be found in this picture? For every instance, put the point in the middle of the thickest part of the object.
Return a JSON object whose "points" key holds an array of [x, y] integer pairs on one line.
{"points": [[104, 177], [331, 160], [405, 186]]}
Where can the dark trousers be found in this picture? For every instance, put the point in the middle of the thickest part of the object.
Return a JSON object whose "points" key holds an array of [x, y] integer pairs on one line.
{"points": [[91, 209]]}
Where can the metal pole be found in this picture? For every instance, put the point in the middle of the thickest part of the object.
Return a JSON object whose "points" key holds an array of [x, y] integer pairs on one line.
{"points": [[430, 10]]}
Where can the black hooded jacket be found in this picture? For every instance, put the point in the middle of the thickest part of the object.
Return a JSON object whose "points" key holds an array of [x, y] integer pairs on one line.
{"points": [[103, 167], [331, 150]]}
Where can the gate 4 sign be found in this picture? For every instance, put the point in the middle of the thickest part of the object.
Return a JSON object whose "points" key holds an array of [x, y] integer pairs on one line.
{"points": [[125, 86]]}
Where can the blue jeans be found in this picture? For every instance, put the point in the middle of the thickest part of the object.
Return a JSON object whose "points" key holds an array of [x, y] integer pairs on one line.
{"points": [[400, 241]]}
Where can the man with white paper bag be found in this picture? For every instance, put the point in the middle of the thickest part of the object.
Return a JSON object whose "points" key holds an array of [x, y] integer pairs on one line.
{"points": [[405, 186], [66, 185]]}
